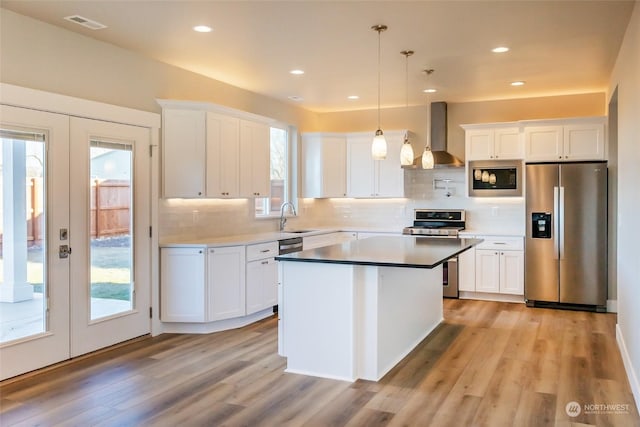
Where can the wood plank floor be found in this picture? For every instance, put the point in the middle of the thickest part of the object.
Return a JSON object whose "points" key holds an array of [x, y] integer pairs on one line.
{"points": [[488, 364]]}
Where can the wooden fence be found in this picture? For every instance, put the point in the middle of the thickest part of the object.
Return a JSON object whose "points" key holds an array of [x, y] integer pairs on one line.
{"points": [[110, 200]]}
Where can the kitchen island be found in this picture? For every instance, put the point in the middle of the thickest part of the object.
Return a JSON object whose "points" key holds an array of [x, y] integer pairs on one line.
{"points": [[354, 310]]}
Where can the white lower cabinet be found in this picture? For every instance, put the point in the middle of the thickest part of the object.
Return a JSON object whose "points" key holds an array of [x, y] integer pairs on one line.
{"points": [[225, 283], [182, 284], [262, 277], [499, 265], [202, 285], [467, 270]]}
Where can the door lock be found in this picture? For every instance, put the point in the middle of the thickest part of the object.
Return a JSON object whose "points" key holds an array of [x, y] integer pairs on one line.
{"points": [[64, 251]]}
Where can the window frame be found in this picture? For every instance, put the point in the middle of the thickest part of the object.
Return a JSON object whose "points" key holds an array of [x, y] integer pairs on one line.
{"points": [[290, 181]]}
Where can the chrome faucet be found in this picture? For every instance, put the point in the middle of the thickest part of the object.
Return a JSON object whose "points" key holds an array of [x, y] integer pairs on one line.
{"points": [[283, 220]]}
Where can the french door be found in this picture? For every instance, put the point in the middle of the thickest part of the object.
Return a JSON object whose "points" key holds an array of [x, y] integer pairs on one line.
{"points": [[75, 260]]}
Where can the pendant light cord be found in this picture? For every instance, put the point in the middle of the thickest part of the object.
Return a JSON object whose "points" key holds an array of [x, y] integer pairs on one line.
{"points": [[379, 31]]}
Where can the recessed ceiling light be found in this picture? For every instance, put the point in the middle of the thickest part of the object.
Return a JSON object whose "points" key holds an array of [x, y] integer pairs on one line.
{"points": [[202, 29], [518, 83], [500, 49], [296, 72], [295, 98], [353, 97], [430, 90]]}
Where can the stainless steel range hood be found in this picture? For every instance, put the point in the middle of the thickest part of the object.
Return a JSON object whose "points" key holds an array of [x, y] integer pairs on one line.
{"points": [[442, 158]]}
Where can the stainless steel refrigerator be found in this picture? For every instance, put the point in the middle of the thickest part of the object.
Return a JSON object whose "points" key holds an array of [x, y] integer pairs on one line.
{"points": [[566, 241]]}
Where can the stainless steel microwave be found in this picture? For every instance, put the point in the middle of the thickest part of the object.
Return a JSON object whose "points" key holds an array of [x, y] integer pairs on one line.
{"points": [[495, 178]]}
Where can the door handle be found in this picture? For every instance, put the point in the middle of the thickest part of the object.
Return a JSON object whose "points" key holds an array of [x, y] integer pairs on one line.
{"points": [[556, 222], [64, 251], [561, 222]]}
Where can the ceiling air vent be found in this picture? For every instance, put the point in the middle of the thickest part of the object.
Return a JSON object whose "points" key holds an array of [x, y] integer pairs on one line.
{"points": [[85, 22]]}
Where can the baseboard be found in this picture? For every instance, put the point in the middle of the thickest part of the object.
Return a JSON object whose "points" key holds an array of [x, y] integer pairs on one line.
{"points": [[628, 366], [217, 326], [485, 296], [612, 306]]}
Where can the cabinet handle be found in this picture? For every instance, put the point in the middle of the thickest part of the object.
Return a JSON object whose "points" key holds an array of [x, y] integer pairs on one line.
{"points": [[560, 157], [501, 253], [200, 251], [495, 253], [566, 157], [264, 262], [199, 193], [265, 250]]}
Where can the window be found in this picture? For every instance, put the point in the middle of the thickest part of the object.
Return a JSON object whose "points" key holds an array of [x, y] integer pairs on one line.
{"points": [[280, 171]]}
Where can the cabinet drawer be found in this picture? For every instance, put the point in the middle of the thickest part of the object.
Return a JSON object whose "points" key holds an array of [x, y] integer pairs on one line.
{"points": [[499, 243], [262, 250]]}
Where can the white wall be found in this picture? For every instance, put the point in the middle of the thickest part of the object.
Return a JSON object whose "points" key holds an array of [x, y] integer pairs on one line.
{"points": [[626, 77]]}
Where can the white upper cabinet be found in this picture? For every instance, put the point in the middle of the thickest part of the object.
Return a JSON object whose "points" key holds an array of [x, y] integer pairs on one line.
{"points": [[570, 140], [368, 178], [213, 151], [223, 156], [325, 165], [183, 153], [584, 142], [543, 143], [255, 149], [488, 142]]}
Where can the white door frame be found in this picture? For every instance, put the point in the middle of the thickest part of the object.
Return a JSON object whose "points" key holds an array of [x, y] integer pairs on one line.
{"points": [[77, 107], [51, 346]]}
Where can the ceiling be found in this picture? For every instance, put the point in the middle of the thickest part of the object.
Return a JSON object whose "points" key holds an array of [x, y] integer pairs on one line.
{"points": [[556, 47]]}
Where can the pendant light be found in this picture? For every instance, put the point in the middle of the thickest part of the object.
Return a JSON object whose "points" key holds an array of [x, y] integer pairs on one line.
{"points": [[427, 155], [379, 144], [406, 153]]}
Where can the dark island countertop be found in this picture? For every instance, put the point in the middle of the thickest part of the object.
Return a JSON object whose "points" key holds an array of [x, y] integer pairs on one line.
{"points": [[386, 251]]}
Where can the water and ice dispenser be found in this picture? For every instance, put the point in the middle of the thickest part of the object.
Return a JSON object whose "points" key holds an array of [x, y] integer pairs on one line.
{"points": [[541, 225]]}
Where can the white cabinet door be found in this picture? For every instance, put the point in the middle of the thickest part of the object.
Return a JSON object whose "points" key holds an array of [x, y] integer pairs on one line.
{"points": [[467, 270], [493, 143], [262, 285], [487, 271], [255, 156], [584, 142], [360, 167], [223, 156], [225, 294], [512, 272], [182, 284], [543, 143], [479, 144], [390, 175], [183, 153], [508, 144], [325, 165], [368, 178]]}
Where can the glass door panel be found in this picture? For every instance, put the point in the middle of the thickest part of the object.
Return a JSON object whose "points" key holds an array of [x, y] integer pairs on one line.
{"points": [[110, 206], [34, 279], [22, 235], [111, 213]]}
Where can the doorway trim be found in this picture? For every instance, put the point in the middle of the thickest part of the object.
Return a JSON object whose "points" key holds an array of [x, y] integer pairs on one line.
{"points": [[34, 99]]}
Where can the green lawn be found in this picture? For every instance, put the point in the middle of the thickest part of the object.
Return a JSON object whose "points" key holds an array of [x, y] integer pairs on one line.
{"points": [[110, 269]]}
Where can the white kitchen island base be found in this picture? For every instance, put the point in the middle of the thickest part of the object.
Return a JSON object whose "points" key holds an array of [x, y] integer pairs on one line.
{"points": [[348, 322]]}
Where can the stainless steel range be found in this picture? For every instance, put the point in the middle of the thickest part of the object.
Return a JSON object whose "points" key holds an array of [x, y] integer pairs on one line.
{"points": [[438, 224]]}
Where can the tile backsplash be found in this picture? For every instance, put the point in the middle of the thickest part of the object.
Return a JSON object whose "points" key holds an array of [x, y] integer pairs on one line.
{"points": [[186, 219]]}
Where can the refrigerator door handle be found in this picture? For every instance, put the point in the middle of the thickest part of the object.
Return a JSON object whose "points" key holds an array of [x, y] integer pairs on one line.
{"points": [[556, 222], [561, 222]]}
